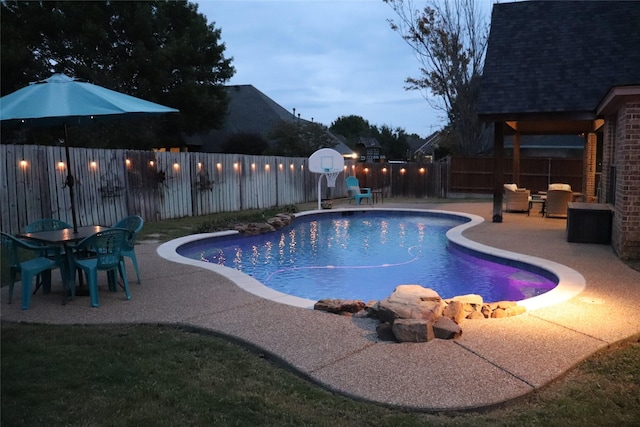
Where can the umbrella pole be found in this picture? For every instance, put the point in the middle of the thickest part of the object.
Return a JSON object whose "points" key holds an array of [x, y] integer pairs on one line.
{"points": [[70, 181]]}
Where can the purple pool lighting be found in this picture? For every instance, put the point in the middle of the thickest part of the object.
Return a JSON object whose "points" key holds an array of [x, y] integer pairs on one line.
{"points": [[366, 254]]}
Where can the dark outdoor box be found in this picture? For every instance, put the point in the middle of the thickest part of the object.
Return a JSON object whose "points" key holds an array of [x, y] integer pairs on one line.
{"points": [[589, 223]]}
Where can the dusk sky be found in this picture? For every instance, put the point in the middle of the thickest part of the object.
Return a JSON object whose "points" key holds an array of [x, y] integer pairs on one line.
{"points": [[326, 59]]}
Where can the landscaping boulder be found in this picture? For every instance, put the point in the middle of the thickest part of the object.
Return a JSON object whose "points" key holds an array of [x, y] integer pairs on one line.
{"points": [[385, 332], [339, 306], [446, 329], [410, 302], [413, 330]]}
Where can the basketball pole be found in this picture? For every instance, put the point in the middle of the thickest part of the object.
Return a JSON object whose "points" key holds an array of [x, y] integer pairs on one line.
{"points": [[319, 191]]}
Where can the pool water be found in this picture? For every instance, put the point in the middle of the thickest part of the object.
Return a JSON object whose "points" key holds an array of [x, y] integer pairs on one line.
{"points": [[365, 255]]}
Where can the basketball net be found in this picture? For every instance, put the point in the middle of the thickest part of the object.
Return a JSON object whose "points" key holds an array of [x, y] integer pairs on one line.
{"points": [[331, 178], [331, 183]]}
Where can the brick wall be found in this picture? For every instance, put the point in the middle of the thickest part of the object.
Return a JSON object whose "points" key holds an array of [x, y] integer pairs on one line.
{"points": [[607, 156], [626, 154]]}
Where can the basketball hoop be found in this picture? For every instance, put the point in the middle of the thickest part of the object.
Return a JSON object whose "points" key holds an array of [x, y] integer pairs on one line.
{"points": [[327, 162], [331, 178]]}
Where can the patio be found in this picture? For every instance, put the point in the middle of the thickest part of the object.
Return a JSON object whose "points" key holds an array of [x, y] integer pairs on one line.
{"points": [[494, 361]]}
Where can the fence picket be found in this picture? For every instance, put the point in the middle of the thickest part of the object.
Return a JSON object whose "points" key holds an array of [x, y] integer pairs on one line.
{"points": [[146, 183]]}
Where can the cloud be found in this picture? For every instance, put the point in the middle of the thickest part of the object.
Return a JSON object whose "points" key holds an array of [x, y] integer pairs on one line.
{"points": [[326, 59]]}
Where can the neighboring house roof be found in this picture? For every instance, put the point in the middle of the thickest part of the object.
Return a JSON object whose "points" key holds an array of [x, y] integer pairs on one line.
{"points": [[415, 143], [249, 111], [340, 146], [368, 142], [427, 145], [549, 57], [252, 111]]}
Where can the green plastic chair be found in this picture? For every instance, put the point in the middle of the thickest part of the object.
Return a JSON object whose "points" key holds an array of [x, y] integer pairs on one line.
{"points": [[106, 249], [134, 224], [356, 193], [17, 252]]}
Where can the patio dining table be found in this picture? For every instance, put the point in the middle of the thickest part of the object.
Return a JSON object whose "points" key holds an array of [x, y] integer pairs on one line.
{"points": [[64, 238]]}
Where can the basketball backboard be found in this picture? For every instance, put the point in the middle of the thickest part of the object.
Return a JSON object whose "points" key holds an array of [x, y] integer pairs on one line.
{"points": [[326, 160]]}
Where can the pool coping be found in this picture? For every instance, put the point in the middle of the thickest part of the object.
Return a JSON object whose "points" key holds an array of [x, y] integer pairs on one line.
{"points": [[570, 282]]}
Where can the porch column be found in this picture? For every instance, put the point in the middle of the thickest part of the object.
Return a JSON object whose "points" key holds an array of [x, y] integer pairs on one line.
{"points": [[589, 167], [498, 170], [516, 159]]}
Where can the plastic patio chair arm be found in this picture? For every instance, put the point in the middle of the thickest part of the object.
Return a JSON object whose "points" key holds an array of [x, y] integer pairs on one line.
{"points": [[36, 247], [47, 251]]}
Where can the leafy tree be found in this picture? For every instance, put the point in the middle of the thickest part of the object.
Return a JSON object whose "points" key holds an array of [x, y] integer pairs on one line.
{"points": [[394, 143], [162, 51], [449, 38], [299, 139], [352, 128], [245, 143]]}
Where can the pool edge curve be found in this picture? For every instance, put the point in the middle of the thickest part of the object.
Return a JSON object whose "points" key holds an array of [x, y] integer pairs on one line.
{"points": [[570, 282]]}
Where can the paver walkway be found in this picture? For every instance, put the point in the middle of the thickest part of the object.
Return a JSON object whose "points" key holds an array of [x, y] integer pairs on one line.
{"points": [[494, 361]]}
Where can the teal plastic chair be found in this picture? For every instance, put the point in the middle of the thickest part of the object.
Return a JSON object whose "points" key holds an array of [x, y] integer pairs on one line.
{"points": [[105, 248], [46, 224], [17, 252], [356, 193], [134, 224]]}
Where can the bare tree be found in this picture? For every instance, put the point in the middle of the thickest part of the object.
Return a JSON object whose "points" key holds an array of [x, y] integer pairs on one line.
{"points": [[449, 38]]}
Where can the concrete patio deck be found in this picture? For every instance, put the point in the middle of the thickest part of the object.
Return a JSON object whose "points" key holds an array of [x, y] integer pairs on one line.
{"points": [[494, 361]]}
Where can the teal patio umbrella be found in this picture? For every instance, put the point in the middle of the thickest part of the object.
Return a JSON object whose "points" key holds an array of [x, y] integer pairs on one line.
{"points": [[61, 100]]}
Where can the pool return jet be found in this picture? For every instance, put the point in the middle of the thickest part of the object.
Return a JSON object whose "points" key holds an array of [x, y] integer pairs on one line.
{"points": [[328, 163]]}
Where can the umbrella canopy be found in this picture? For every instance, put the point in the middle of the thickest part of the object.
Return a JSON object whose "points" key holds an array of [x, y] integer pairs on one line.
{"points": [[61, 100]]}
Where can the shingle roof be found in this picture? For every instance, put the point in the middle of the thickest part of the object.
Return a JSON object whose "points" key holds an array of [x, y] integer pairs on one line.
{"points": [[249, 111], [368, 142], [558, 56]]}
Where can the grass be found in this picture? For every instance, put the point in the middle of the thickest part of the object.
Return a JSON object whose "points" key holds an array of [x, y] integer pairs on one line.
{"points": [[171, 229], [165, 376], [161, 375]]}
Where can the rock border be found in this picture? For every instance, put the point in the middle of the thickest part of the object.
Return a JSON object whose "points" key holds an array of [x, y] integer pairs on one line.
{"points": [[413, 313], [272, 224]]}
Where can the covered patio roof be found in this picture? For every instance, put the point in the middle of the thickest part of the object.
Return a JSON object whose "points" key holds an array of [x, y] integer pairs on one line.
{"points": [[549, 65]]}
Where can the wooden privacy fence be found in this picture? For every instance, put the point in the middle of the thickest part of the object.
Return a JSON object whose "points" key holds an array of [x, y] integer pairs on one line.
{"points": [[112, 184], [475, 174], [400, 179]]}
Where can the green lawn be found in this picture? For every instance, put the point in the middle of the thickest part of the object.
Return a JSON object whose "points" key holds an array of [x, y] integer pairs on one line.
{"points": [[155, 375]]}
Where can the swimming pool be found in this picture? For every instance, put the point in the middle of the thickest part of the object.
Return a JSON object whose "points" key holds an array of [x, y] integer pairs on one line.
{"points": [[373, 262]]}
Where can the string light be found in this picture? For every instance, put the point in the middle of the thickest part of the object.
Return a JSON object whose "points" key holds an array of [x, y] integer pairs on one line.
{"points": [[23, 164]]}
